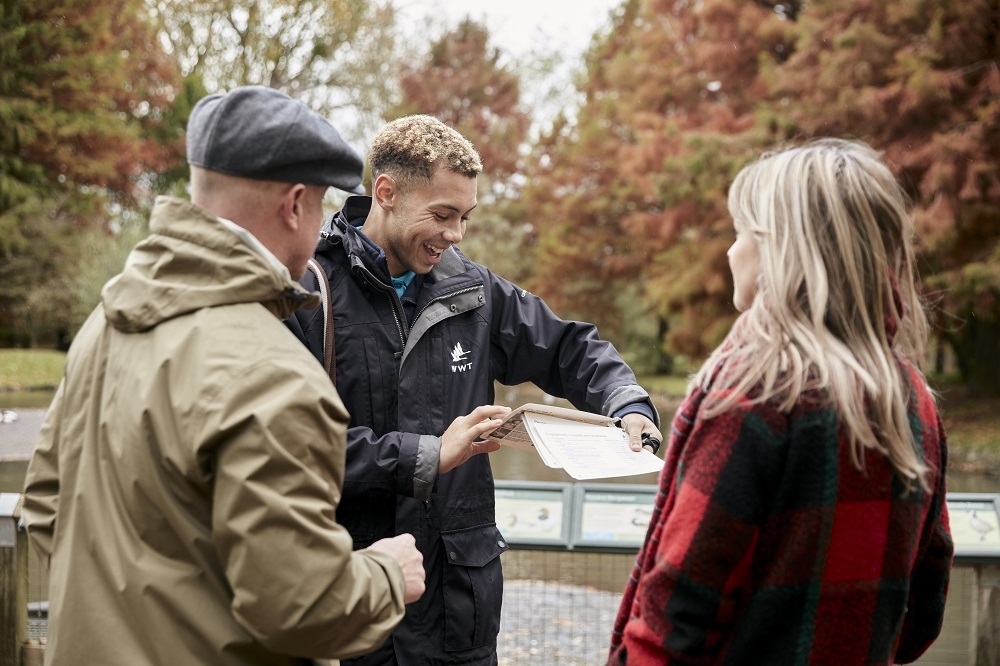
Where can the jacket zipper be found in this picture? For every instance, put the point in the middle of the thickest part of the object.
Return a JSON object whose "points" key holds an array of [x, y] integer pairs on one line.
{"points": [[396, 305]]}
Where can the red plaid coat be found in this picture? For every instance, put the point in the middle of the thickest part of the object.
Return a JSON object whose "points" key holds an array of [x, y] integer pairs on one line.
{"points": [[767, 546]]}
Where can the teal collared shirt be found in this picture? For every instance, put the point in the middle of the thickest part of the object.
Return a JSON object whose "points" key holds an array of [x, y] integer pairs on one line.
{"points": [[402, 282]]}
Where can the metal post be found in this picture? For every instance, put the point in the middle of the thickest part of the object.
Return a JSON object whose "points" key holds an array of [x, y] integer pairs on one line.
{"points": [[13, 581]]}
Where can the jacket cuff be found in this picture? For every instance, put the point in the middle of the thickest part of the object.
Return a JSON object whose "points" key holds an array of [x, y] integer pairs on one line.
{"points": [[428, 462], [637, 408], [629, 399]]}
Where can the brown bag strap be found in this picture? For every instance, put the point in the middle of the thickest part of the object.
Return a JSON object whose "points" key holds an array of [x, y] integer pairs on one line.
{"points": [[329, 349]]}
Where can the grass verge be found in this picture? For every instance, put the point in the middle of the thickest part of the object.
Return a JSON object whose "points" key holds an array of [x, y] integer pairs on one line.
{"points": [[30, 369], [972, 424]]}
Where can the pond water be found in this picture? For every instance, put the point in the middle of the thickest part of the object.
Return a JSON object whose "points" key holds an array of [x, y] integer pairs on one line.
{"points": [[508, 463], [514, 464], [25, 399]]}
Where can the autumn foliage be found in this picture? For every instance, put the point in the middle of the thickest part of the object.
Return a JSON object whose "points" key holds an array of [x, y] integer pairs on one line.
{"points": [[83, 92], [679, 95], [617, 214], [87, 84], [462, 83]]}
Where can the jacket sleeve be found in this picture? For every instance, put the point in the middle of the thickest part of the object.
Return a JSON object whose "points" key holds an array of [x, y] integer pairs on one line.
{"points": [[277, 449], [562, 357], [41, 489], [397, 463], [689, 595], [931, 573]]}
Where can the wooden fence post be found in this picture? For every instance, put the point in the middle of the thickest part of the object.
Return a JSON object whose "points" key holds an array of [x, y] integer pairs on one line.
{"points": [[987, 616], [13, 581]]}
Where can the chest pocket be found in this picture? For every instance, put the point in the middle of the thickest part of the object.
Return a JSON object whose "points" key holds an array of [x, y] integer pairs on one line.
{"points": [[473, 586]]}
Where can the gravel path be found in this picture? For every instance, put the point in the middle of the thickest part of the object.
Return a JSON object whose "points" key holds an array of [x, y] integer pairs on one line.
{"points": [[555, 623]]}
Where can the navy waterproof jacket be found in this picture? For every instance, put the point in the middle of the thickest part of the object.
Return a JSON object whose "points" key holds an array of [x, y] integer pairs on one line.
{"points": [[404, 384]]}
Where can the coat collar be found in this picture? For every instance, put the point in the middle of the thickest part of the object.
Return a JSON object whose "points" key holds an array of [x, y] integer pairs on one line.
{"points": [[341, 228]]}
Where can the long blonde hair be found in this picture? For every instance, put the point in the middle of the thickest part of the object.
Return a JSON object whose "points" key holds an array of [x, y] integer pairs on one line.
{"points": [[836, 296]]}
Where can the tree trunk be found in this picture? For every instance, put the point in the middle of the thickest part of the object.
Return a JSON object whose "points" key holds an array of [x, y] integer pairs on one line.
{"points": [[664, 361], [977, 347]]}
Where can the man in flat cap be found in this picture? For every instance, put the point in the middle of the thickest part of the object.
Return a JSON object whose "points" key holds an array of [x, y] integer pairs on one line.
{"points": [[185, 482]]}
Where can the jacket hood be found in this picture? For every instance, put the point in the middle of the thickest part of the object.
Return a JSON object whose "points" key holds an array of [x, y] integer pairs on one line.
{"points": [[191, 261]]}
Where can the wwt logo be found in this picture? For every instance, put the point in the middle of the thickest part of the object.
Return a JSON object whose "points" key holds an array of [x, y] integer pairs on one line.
{"points": [[459, 359]]}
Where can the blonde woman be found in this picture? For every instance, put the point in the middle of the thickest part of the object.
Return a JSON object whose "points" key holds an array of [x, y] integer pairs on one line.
{"points": [[801, 517]]}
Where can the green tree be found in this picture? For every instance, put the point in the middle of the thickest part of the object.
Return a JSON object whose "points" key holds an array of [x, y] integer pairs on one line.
{"points": [[284, 44], [83, 92], [334, 55]]}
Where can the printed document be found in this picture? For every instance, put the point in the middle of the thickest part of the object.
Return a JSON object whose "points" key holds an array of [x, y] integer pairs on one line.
{"points": [[585, 445]]}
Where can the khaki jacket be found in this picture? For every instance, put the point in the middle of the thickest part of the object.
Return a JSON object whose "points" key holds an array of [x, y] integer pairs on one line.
{"points": [[186, 478]]}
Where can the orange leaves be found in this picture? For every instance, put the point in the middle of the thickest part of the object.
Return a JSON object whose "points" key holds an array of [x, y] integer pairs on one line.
{"points": [[94, 78], [462, 82], [683, 94]]}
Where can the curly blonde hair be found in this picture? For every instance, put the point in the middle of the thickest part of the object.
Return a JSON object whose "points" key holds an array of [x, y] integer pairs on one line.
{"points": [[837, 298], [411, 148]]}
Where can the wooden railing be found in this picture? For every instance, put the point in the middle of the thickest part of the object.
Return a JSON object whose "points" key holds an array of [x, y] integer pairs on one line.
{"points": [[15, 649], [978, 566]]}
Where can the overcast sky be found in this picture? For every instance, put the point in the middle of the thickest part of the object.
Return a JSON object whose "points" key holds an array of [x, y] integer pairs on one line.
{"points": [[515, 25], [519, 27]]}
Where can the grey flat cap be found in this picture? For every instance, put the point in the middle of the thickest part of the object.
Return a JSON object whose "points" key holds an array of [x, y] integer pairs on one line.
{"points": [[260, 133]]}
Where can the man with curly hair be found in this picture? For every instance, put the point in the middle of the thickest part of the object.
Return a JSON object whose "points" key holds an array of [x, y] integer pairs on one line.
{"points": [[419, 336]]}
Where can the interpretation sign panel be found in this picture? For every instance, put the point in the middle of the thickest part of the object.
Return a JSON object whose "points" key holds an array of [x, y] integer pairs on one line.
{"points": [[975, 525], [613, 515], [533, 513]]}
